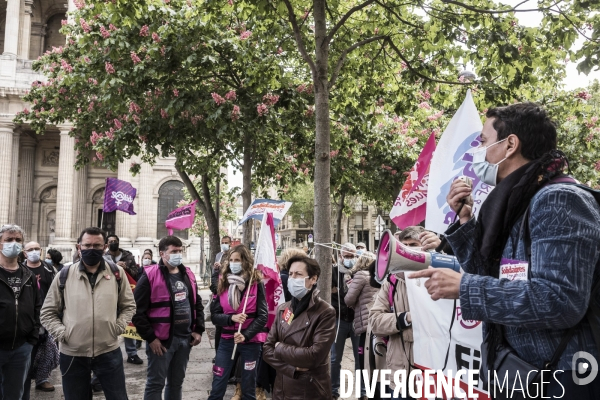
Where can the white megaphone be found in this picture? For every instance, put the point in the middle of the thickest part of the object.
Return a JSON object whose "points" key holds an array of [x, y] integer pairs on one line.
{"points": [[394, 257]]}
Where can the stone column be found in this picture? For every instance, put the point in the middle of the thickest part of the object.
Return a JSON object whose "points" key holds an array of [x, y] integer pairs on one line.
{"points": [[6, 142], [26, 31], [64, 241], [146, 211], [27, 170], [11, 30], [79, 201], [14, 178], [126, 225]]}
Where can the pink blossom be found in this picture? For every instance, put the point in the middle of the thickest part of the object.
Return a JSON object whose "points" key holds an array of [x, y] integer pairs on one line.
{"points": [[84, 25], [583, 95], [134, 108], [100, 156], [435, 116], [87, 59], [112, 27], [66, 66], [163, 50], [218, 99], [95, 137], [64, 22], [262, 109], [310, 111], [155, 37], [176, 92], [279, 50], [333, 153], [92, 81], [235, 113], [245, 35], [305, 171], [294, 168], [424, 105], [230, 2], [136, 118], [412, 142], [163, 114], [135, 58], [79, 4], [144, 31], [597, 166], [109, 68], [91, 107], [26, 111], [425, 95], [270, 99], [118, 124], [231, 95], [110, 135], [105, 34]]}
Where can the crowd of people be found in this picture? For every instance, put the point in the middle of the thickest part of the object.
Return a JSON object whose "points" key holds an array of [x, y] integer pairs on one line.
{"points": [[72, 315]]}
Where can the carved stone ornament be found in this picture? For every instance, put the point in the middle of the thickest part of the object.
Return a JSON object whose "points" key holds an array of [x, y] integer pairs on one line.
{"points": [[49, 195], [50, 158]]}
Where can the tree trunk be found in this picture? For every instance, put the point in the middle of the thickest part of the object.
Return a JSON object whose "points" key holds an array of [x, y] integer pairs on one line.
{"points": [[247, 188], [322, 149], [207, 209], [340, 213]]}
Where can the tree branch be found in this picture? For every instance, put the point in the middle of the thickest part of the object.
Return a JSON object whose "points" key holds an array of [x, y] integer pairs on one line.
{"points": [[394, 13], [344, 54], [414, 71], [482, 11], [189, 185], [342, 21], [298, 36]]}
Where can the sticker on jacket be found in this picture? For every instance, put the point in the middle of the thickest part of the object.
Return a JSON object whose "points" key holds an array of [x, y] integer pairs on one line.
{"points": [[513, 270], [288, 316], [249, 365], [217, 371], [181, 296]]}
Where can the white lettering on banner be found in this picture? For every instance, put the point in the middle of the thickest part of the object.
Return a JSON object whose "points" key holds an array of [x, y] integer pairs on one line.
{"points": [[121, 197]]}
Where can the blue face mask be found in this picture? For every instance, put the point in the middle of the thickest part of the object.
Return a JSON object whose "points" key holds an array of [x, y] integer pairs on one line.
{"points": [[235, 267], [49, 261], [349, 263], [297, 287], [359, 252], [488, 173]]}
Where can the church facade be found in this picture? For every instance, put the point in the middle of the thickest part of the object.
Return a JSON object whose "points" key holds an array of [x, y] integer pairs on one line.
{"points": [[40, 189]]}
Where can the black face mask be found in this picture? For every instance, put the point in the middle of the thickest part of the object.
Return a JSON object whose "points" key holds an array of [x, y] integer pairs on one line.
{"points": [[113, 246], [91, 257]]}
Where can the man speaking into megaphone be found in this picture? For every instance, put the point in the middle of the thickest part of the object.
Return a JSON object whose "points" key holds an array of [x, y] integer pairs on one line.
{"points": [[531, 258]]}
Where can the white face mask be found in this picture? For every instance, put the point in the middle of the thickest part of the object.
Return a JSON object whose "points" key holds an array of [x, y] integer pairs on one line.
{"points": [[349, 263], [11, 249], [235, 267], [33, 256], [297, 287], [224, 247], [175, 259], [488, 173], [146, 261]]}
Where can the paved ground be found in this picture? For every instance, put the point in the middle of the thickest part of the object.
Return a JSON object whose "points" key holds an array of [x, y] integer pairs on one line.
{"points": [[198, 378]]}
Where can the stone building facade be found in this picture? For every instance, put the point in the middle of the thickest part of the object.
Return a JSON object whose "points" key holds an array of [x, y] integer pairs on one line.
{"points": [[40, 189]]}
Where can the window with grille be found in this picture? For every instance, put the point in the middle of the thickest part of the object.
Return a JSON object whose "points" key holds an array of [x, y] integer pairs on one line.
{"points": [[169, 195]]}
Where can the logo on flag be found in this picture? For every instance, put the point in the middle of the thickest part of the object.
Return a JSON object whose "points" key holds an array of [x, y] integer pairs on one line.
{"points": [[458, 140], [181, 218], [278, 208], [410, 206], [119, 195], [266, 262]]}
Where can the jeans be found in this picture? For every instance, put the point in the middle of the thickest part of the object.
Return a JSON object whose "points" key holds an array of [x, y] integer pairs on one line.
{"points": [[337, 353], [170, 366], [250, 354], [130, 348], [14, 367], [108, 367]]}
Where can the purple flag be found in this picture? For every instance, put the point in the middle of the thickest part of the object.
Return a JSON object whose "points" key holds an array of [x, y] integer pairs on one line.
{"points": [[119, 195]]}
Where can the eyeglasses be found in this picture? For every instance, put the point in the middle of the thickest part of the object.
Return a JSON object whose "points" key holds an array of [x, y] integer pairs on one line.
{"points": [[89, 246], [34, 249]]}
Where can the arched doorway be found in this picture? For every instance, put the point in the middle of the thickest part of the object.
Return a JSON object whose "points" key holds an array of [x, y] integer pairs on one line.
{"points": [[47, 216], [169, 195], [53, 36], [105, 220]]}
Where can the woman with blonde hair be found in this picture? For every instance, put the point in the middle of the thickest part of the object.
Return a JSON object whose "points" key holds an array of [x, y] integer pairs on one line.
{"points": [[282, 261], [239, 279]]}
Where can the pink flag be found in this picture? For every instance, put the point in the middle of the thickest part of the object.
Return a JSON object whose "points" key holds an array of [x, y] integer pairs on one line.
{"points": [[266, 262], [411, 204], [181, 218]]}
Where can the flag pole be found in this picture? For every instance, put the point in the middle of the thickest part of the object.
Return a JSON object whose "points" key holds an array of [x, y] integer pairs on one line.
{"points": [[101, 219], [248, 289]]}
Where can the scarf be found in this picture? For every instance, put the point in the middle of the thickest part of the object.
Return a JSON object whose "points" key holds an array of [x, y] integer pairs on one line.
{"points": [[346, 276], [502, 209], [237, 284], [299, 306]]}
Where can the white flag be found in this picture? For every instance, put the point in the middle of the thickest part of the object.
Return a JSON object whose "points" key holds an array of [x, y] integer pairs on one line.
{"points": [[450, 161], [266, 262]]}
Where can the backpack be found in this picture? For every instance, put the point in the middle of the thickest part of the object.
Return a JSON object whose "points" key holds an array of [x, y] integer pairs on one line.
{"points": [[64, 274]]}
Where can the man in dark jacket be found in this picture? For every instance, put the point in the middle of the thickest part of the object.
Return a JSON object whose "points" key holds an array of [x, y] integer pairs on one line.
{"points": [[125, 260], [170, 317], [532, 255], [345, 317], [20, 302]]}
